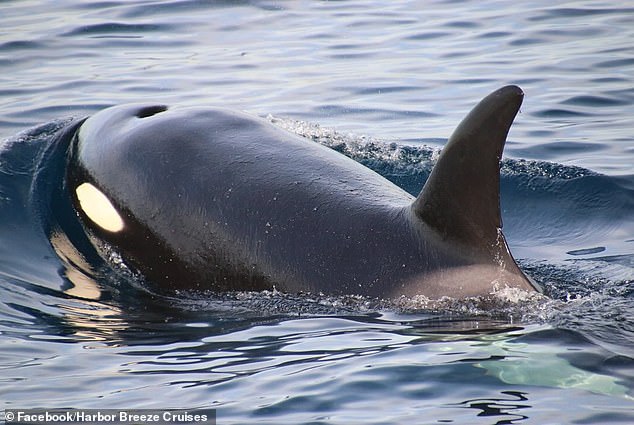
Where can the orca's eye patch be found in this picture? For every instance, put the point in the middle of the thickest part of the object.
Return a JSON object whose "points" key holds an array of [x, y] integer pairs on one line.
{"points": [[98, 208], [148, 111]]}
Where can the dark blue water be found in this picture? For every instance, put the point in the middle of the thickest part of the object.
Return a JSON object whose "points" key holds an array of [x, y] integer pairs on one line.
{"points": [[385, 83]]}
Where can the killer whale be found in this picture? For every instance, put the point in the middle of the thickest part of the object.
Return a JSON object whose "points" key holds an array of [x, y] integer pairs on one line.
{"points": [[214, 199]]}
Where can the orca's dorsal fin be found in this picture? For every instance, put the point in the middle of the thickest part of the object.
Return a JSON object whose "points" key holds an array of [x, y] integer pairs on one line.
{"points": [[461, 198]]}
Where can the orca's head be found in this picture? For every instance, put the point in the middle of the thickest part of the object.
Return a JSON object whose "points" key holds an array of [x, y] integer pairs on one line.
{"points": [[125, 176], [140, 179], [101, 169]]}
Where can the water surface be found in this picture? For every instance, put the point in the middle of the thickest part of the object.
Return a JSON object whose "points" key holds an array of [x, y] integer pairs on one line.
{"points": [[385, 83]]}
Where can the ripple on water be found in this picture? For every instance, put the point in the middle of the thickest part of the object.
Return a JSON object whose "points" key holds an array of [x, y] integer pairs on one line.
{"points": [[598, 101]]}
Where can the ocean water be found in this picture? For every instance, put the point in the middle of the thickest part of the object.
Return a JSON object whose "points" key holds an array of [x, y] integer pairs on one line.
{"points": [[382, 82]]}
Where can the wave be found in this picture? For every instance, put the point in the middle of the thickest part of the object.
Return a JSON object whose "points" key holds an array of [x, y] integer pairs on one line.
{"points": [[572, 227]]}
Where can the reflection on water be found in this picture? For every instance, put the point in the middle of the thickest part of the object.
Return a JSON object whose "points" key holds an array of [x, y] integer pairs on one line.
{"points": [[294, 363], [507, 410]]}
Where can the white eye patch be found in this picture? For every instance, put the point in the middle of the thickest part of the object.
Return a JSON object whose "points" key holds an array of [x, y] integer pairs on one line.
{"points": [[98, 208]]}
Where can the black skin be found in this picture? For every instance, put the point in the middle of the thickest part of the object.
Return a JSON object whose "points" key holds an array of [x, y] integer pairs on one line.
{"points": [[219, 200]]}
